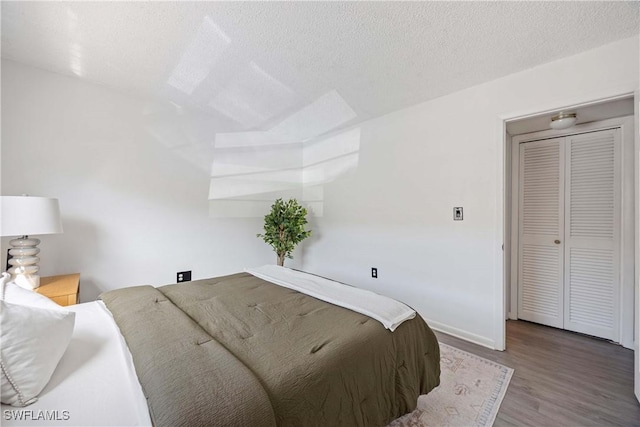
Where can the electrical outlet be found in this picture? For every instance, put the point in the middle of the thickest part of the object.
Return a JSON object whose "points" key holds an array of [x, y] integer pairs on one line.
{"points": [[183, 276], [374, 273]]}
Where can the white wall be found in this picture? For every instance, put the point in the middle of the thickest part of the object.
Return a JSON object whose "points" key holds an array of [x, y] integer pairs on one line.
{"points": [[134, 200], [131, 180], [395, 212]]}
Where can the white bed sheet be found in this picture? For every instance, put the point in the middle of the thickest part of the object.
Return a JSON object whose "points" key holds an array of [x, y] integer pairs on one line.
{"points": [[391, 313], [95, 383]]}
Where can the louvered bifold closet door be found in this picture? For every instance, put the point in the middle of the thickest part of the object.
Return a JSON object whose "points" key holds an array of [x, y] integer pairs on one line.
{"points": [[592, 235], [541, 224]]}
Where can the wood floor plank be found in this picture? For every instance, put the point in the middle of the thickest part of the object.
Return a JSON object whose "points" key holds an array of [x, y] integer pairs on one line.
{"points": [[561, 378]]}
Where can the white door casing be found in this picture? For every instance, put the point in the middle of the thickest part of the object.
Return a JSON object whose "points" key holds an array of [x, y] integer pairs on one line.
{"points": [[636, 194]]}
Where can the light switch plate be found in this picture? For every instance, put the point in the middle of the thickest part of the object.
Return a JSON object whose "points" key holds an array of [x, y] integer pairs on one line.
{"points": [[457, 214]]}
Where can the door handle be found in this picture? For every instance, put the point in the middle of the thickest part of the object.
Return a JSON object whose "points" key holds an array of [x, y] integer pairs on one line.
{"points": [[557, 242]]}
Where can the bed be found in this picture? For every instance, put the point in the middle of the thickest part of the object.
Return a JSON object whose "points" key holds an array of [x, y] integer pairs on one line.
{"points": [[246, 350], [95, 382]]}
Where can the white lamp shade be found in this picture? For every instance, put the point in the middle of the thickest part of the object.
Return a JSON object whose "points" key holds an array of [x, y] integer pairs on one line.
{"points": [[26, 216]]}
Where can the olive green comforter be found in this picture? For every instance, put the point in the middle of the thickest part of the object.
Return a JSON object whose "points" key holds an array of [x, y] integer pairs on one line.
{"points": [[237, 350]]}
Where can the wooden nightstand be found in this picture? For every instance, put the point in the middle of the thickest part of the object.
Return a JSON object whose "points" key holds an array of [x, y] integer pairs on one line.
{"points": [[61, 289]]}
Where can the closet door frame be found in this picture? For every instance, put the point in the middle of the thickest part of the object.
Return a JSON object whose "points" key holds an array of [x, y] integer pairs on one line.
{"points": [[627, 267]]}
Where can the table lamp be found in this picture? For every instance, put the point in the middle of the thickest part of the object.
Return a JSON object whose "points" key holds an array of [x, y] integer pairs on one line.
{"points": [[25, 216]]}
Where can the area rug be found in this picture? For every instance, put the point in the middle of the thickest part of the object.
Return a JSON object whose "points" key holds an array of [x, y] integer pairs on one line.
{"points": [[470, 392]]}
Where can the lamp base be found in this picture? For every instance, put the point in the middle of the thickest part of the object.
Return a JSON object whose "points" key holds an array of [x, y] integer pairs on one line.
{"points": [[24, 262], [27, 281]]}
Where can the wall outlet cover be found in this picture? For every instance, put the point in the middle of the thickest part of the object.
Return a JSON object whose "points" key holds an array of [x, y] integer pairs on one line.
{"points": [[183, 276]]}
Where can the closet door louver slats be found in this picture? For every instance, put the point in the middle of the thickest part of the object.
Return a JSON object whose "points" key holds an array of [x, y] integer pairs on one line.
{"points": [[591, 290], [592, 236], [540, 293], [592, 187], [540, 261], [569, 232]]}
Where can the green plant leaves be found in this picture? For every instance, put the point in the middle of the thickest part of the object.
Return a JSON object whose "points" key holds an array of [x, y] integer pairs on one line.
{"points": [[284, 227]]}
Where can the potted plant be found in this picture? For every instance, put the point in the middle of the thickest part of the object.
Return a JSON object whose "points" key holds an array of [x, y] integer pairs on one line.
{"points": [[284, 228]]}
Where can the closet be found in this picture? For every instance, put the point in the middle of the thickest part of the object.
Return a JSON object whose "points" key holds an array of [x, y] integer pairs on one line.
{"points": [[569, 232]]}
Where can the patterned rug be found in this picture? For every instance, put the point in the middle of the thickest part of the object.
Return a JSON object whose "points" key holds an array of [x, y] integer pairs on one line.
{"points": [[470, 392]]}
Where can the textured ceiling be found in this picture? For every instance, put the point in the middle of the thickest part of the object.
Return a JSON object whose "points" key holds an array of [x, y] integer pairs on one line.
{"points": [[267, 65]]}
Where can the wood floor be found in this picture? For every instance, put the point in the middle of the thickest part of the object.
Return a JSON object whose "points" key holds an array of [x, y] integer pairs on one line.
{"points": [[561, 378]]}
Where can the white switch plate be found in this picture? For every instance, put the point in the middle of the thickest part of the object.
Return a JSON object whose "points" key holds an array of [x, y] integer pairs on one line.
{"points": [[457, 214]]}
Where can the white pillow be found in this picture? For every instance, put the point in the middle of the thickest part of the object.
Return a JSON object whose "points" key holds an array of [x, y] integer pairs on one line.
{"points": [[11, 292], [33, 342], [34, 334], [3, 281], [18, 295]]}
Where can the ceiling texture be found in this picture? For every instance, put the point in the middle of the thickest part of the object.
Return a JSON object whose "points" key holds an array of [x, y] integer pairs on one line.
{"points": [[260, 66]]}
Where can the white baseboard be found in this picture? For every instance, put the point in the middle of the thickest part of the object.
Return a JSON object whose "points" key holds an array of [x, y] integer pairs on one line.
{"points": [[462, 334]]}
